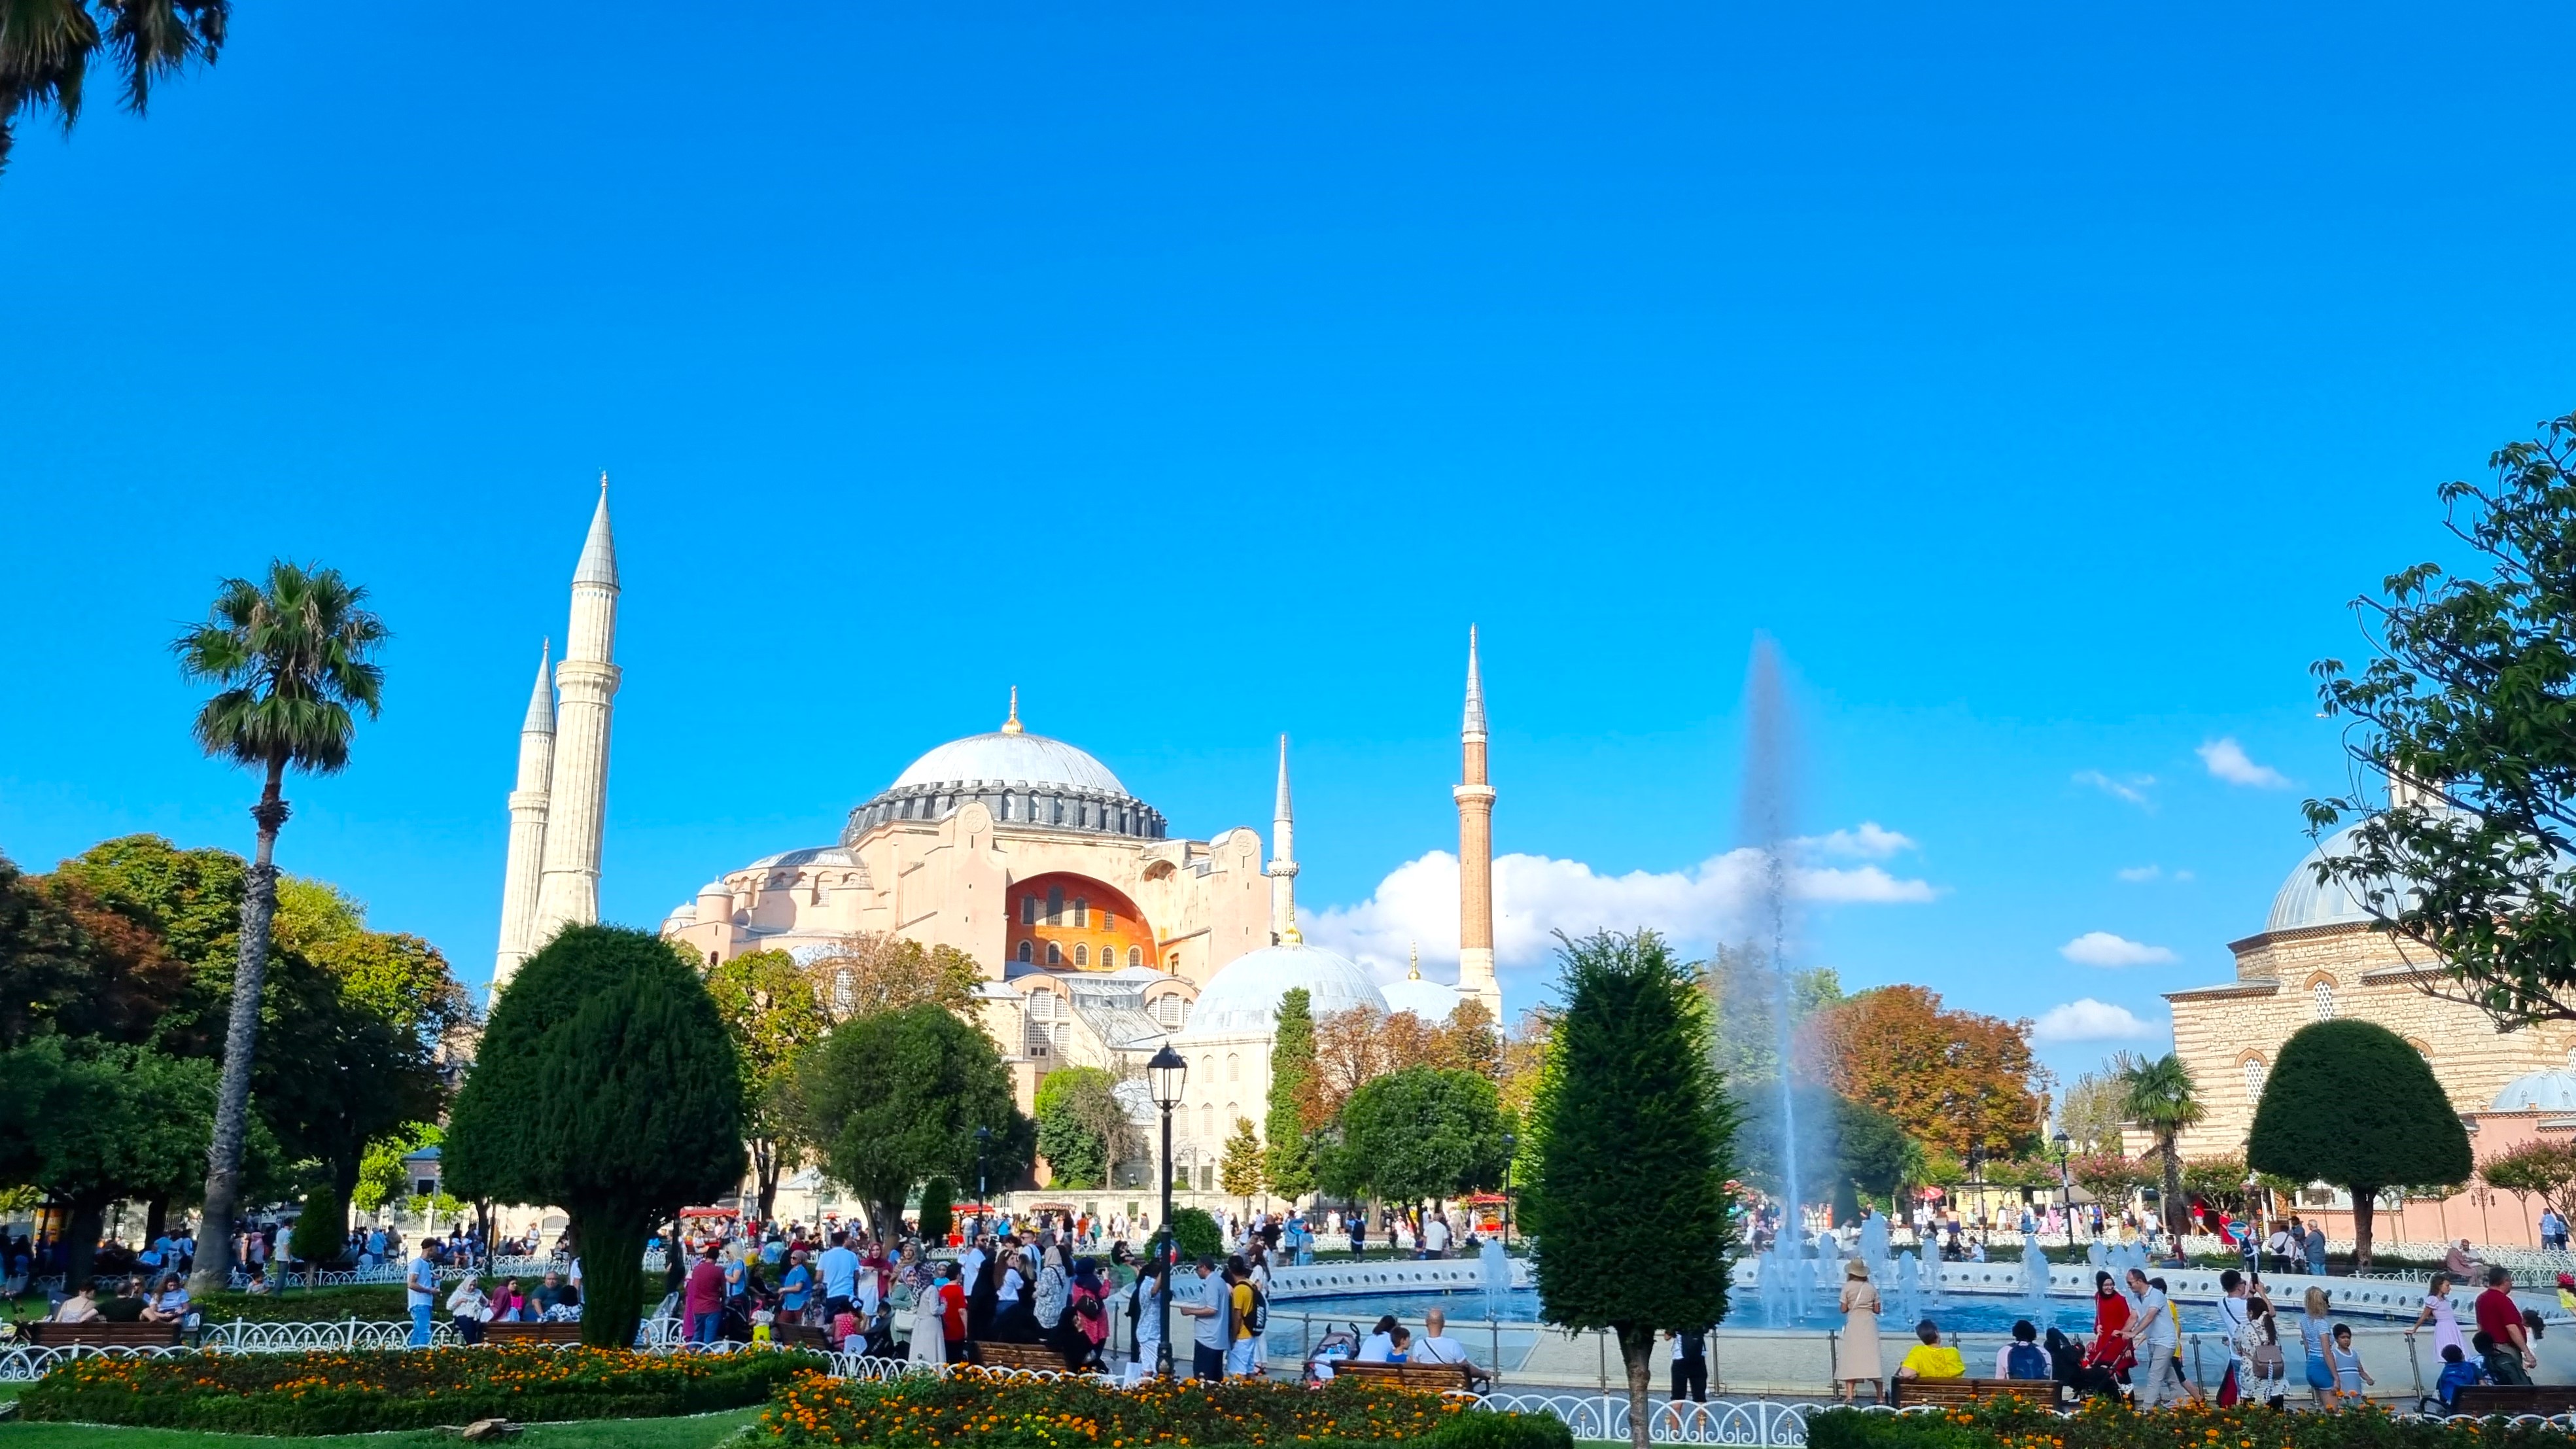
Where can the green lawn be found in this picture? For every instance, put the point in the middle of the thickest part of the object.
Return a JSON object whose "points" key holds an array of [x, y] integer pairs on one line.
{"points": [[700, 1432]]}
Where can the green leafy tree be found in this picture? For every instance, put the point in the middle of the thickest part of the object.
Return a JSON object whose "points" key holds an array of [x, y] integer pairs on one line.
{"points": [[2542, 1169], [1239, 1172], [1424, 1132], [291, 659], [894, 1100], [75, 964], [2349, 1102], [1627, 1201], [2468, 710], [381, 1176], [2094, 1107], [938, 1198], [1289, 1162], [1847, 1148], [1080, 1125], [605, 1084], [321, 1232], [399, 977], [1195, 1234], [100, 1124], [1744, 1010], [769, 1008], [48, 46], [2158, 1094]]}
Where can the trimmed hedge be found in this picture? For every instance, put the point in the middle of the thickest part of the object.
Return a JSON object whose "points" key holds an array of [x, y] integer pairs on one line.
{"points": [[972, 1406], [2009, 1423], [354, 1393]]}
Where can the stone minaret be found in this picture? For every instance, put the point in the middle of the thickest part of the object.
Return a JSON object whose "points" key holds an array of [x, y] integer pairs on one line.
{"points": [[1283, 860], [577, 807], [527, 826], [1476, 852]]}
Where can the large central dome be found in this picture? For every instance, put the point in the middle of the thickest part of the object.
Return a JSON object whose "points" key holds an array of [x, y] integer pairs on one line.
{"points": [[1023, 779], [1003, 755]]}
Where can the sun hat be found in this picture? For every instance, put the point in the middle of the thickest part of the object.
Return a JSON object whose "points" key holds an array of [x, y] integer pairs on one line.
{"points": [[1855, 1268]]}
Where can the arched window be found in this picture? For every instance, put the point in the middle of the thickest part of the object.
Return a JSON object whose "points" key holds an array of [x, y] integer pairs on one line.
{"points": [[1081, 955], [1041, 1004], [1207, 1120], [712, 963], [2254, 1079], [2324, 995], [1135, 956], [1028, 910], [1167, 1009], [1108, 920], [1207, 1069], [1024, 953], [1055, 905], [1081, 911], [1055, 954], [1233, 1067]]}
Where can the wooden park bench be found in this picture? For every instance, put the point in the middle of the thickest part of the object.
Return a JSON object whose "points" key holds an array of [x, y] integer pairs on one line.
{"points": [[2484, 1399], [99, 1334], [532, 1332], [1436, 1378], [1918, 1393], [803, 1335], [1025, 1357]]}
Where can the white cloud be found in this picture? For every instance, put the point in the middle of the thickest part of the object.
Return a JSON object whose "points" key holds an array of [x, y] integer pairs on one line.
{"points": [[2089, 1020], [1867, 841], [1535, 896], [2101, 948], [2139, 874], [2228, 761], [2133, 789]]}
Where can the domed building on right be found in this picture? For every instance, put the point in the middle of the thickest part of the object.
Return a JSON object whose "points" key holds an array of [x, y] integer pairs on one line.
{"points": [[2319, 956]]}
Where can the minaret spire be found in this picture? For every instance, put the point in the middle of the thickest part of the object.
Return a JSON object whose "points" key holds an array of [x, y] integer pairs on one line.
{"points": [[1283, 862], [1475, 797], [1011, 726], [528, 809], [568, 891]]}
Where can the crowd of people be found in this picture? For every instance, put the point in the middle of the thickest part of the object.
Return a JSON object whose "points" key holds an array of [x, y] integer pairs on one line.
{"points": [[2135, 1351]]}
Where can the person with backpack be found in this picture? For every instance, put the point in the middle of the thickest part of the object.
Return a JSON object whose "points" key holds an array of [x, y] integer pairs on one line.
{"points": [[2022, 1358], [1249, 1318]]}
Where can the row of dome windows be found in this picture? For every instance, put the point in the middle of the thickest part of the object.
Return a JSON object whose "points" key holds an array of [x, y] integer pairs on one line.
{"points": [[1168, 1009], [1034, 810], [1054, 910], [1028, 954]]}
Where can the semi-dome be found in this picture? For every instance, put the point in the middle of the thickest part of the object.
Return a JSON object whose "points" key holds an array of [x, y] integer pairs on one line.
{"points": [[2551, 1091], [1243, 998], [810, 855]]}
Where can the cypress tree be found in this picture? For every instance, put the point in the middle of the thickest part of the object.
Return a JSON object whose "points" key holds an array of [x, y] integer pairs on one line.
{"points": [[1627, 1201], [1289, 1160], [937, 1199], [2349, 1102], [606, 1085]]}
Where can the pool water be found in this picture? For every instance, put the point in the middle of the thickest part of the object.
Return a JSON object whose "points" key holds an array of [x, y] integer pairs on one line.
{"points": [[1959, 1313]]}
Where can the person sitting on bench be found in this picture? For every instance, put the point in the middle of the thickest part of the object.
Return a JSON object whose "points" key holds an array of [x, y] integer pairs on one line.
{"points": [[1931, 1358]]}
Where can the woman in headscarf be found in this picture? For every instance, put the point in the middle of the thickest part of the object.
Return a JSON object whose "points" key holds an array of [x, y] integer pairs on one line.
{"points": [[1082, 1330], [983, 1300], [2112, 1351], [1054, 1290]]}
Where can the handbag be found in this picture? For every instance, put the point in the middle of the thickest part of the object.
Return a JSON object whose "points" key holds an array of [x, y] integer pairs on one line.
{"points": [[2268, 1360]]}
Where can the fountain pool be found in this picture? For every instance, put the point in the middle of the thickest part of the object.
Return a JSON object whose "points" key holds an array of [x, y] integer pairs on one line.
{"points": [[1961, 1313]]}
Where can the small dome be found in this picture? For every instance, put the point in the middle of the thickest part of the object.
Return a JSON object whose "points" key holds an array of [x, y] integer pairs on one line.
{"points": [[1010, 757], [2553, 1091], [1430, 1000], [1244, 996], [2304, 901]]}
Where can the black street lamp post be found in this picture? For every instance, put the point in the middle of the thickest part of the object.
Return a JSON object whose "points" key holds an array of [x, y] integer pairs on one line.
{"points": [[1511, 1151], [2065, 1184], [1165, 1075]]}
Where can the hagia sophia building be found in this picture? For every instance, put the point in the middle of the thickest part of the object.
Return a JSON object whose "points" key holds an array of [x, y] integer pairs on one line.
{"points": [[1099, 934]]}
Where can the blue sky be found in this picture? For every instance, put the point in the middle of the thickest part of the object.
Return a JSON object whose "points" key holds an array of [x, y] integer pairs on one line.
{"points": [[2045, 384]]}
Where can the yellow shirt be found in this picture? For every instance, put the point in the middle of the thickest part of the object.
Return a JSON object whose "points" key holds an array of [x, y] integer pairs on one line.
{"points": [[1935, 1361], [1242, 1310]]}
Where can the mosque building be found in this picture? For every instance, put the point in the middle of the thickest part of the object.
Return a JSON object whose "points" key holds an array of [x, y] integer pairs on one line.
{"points": [[2321, 955], [1099, 934]]}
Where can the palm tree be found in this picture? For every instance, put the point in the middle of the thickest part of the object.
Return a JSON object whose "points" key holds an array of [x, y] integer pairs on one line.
{"points": [[291, 658], [2158, 1095], [46, 47]]}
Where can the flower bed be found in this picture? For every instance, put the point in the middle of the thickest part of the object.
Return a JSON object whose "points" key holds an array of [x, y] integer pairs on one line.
{"points": [[358, 1392], [971, 1406], [2009, 1423]]}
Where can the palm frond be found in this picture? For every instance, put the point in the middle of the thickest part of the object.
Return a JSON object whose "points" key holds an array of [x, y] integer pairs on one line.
{"points": [[291, 654], [45, 47], [154, 38]]}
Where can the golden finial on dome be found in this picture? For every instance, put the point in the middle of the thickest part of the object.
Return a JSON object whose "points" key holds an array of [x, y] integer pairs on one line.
{"points": [[1292, 936], [1011, 726], [1415, 947]]}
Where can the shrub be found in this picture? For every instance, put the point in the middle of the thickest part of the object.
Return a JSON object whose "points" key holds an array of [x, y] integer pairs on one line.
{"points": [[1196, 1233], [972, 1406], [322, 1229], [1503, 1431], [936, 1202], [350, 1393], [2102, 1424]]}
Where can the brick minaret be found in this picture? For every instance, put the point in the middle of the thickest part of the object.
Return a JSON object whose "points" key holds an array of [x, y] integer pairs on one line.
{"points": [[1476, 851]]}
